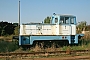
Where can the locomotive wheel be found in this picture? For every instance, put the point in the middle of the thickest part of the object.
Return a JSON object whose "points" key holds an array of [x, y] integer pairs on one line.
{"points": [[50, 43]]}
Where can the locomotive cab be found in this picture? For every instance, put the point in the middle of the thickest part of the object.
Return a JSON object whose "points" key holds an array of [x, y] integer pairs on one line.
{"points": [[65, 24]]}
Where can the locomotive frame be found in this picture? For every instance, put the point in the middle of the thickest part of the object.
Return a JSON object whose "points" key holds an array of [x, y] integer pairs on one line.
{"points": [[61, 28]]}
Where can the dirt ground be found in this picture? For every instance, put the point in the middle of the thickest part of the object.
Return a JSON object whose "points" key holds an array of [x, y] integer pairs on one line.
{"points": [[61, 58], [53, 58]]}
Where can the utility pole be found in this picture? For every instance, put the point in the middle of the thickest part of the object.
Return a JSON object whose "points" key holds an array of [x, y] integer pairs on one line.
{"points": [[19, 18], [17, 37]]}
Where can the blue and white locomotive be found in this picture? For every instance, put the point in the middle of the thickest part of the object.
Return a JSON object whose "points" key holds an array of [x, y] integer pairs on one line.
{"points": [[61, 28]]}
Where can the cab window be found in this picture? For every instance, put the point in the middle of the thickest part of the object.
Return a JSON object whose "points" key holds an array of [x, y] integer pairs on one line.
{"points": [[61, 20], [56, 20], [66, 20], [72, 20]]}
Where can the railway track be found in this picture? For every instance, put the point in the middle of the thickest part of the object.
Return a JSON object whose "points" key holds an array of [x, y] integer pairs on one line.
{"points": [[73, 52]]}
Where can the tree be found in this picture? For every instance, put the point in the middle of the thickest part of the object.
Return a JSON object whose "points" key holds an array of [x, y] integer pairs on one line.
{"points": [[47, 19], [16, 31], [81, 26], [6, 28], [88, 28]]}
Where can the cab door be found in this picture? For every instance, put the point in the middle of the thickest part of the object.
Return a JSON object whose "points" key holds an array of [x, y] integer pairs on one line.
{"points": [[57, 25], [65, 27]]}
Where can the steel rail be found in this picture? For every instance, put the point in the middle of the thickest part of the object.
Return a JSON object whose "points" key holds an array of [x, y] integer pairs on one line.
{"points": [[44, 53]]}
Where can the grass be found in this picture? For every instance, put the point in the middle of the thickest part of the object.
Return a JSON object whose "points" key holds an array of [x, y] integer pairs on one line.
{"points": [[79, 47], [6, 38]]}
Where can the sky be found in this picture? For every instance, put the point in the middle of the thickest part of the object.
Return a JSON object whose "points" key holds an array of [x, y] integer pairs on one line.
{"points": [[38, 10]]}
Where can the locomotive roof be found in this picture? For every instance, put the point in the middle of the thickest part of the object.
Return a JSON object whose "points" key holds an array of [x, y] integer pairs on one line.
{"points": [[37, 24], [66, 15]]}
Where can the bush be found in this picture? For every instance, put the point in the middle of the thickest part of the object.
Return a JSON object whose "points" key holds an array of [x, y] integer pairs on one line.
{"points": [[6, 46]]}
